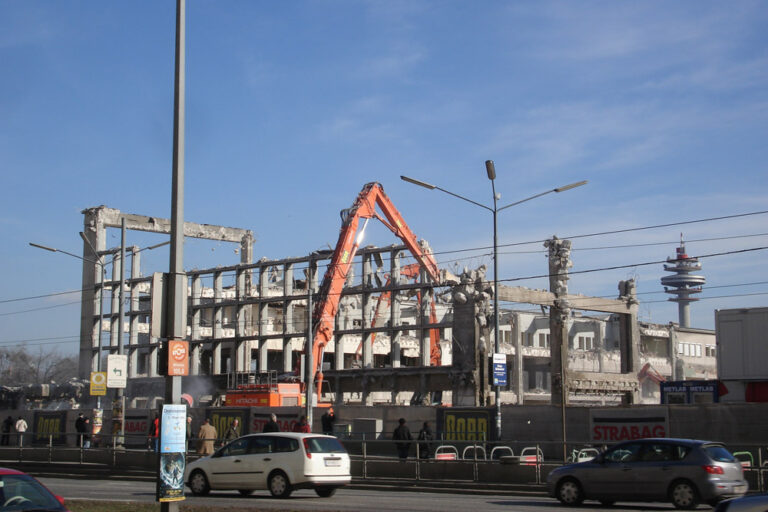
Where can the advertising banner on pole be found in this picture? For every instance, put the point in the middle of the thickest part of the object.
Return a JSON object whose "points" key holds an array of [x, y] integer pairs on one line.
{"points": [[178, 358], [499, 370], [172, 461]]}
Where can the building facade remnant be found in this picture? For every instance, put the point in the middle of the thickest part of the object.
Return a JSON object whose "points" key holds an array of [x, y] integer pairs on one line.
{"points": [[252, 318]]}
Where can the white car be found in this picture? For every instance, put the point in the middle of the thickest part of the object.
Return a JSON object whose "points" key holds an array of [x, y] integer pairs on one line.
{"points": [[280, 462]]}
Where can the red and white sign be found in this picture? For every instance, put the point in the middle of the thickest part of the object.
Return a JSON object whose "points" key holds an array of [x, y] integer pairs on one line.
{"points": [[178, 358], [611, 426]]}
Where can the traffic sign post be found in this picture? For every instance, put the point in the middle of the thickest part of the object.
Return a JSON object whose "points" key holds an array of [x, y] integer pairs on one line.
{"points": [[117, 371], [98, 383]]}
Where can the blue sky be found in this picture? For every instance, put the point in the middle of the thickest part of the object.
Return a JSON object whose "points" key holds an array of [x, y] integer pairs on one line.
{"points": [[293, 106]]}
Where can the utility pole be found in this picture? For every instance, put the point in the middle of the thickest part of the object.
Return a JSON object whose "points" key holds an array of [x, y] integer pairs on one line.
{"points": [[177, 294]]}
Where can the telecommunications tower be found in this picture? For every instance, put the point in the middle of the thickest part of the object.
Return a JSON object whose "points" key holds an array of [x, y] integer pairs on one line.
{"points": [[683, 283]]}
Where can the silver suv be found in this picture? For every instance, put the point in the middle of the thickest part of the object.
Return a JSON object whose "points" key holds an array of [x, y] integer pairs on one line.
{"points": [[684, 472]]}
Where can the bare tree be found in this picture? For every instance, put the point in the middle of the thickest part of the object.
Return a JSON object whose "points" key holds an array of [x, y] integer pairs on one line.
{"points": [[20, 368]]}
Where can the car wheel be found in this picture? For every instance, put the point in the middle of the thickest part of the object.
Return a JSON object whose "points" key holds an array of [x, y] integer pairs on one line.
{"points": [[683, 495], [245, 492], [198, 483], [325, 492], [279, 485], [569, 492]]}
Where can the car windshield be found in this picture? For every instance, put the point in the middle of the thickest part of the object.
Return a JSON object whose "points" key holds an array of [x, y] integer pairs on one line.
{"points": [[324, 445], [22, 492], [719, 453]]}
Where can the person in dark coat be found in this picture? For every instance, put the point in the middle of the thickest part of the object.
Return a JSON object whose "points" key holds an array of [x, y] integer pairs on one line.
{"points": [[425, 438], [271, 425], [87, 435], [327, 420], [402, 433], [233, 432], [80, 428]]}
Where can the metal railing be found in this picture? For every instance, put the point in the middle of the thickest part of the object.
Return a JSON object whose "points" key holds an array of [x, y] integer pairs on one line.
{"points": [[372, 456]]}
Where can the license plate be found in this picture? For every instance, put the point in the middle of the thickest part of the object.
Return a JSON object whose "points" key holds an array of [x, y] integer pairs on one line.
{"points": [[332, 462], [740, 488]]}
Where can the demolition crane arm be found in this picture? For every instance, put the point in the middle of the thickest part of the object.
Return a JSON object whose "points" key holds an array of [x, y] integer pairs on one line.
{"points": [[364, 207]]}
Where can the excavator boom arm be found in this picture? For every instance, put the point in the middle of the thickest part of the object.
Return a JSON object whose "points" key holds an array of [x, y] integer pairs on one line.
{"points": [[324, 314]]}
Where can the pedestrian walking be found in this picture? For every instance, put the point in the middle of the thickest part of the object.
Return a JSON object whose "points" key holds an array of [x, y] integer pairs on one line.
{"points": [[327, 420], [21, 427], [233, 432], [402, 434], [207, 437], [80, 428], [189, 431], [153, 436], [302, 426], [86, 436], [7, 427], [425, 438], [271, 425]]}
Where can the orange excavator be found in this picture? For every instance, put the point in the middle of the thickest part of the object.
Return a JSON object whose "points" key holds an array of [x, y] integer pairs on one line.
{"points": [[364, 207], [411, 272]]}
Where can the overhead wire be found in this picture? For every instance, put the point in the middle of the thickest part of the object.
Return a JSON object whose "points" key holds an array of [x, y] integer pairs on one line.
{"points": [[484, 255]]}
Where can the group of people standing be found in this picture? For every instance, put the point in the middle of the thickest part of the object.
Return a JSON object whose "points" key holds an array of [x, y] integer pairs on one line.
{"points": [[207, 436], [19, 426], [403, 437]]}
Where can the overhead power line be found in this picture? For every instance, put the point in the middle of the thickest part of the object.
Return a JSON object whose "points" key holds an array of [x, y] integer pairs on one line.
{"points": [[626, 230]]}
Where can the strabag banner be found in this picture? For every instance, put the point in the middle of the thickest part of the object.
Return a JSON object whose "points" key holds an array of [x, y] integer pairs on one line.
{"points": [[609, 426], [172, 461]]}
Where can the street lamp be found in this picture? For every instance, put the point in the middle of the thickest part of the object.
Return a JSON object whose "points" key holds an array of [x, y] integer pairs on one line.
{"points": [[99, 261], [491, 171], [102, 264]]}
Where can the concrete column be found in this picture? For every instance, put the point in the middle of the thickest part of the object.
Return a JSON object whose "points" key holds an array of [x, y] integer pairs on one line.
{"points": [[368, 312], [599, 330], [517, 362], [196, 345], [94, 232], [133, 326], [471, 307], [394, 310], [673, 353], [218, 318], [288, 326], [424, 310], [559, 263], [115, 337], [242, 354], [154, 343], [263, 327]]}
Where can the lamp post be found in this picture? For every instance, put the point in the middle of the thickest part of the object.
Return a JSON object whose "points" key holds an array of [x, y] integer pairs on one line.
{"points": [[491, 171], [100, 262]]}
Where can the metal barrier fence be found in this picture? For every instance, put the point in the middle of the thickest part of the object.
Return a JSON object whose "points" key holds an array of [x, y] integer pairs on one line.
{"points": [[477, 461]]}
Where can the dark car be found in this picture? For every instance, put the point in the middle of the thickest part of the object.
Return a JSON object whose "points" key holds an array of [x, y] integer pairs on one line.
{"points": [[753, 503], [684, 472], [20, 491]]}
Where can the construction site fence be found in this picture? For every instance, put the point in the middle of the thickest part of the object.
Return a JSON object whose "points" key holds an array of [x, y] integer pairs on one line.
{"points": [[373, 457]]}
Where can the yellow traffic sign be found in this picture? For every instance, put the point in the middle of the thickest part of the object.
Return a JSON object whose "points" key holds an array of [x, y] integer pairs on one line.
{"points": [[98, 383]]}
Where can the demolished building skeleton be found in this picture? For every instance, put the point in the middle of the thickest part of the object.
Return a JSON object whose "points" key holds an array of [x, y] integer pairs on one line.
{"points": [[271, 322]]}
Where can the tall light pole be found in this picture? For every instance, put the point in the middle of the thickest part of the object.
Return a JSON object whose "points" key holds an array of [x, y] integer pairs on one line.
{"points": [[491, 171]]}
